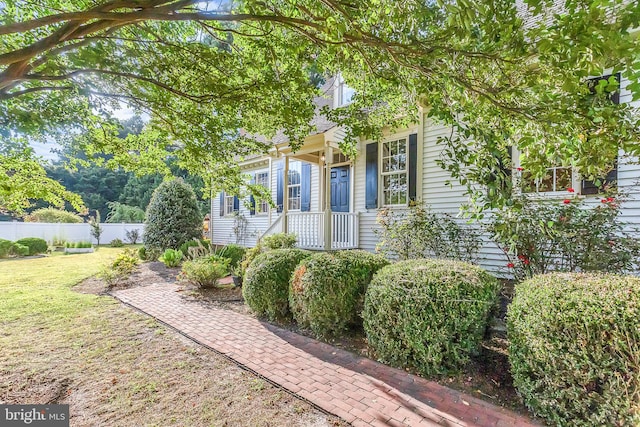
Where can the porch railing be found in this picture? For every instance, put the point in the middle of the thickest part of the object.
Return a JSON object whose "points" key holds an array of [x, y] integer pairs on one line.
{"points": [[309, 227]]}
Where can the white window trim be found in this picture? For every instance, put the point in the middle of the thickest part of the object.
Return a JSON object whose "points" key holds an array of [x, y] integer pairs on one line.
{"points": [[260, 204], [228, 205], [576, 182], [297, 168], [381, 175], [339, 92]]}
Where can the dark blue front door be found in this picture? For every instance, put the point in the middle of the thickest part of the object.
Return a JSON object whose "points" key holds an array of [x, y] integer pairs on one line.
{"points": [[340, 189]]}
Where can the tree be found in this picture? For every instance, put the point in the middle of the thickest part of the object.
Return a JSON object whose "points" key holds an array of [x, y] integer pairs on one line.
{"points": [[119, 212], [500, 74], [96, 230], [172, 217]]}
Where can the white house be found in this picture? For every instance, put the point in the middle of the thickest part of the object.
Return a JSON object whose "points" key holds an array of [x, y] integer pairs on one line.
{"points": [[331, 202]]}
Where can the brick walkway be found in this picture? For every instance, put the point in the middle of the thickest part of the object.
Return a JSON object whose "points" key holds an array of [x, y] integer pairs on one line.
{"points": [[358, 390]]}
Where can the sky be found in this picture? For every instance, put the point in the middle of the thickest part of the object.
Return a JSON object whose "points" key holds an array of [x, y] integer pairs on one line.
{"points": [[47, 150]]}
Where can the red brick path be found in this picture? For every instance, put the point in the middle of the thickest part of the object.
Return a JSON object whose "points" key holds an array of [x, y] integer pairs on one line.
{"points": [[356, 389]]}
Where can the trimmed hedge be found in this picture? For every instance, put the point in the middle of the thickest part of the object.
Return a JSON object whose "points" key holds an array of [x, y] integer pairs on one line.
{"points": [[9, 248], [279, 241], [327, 290], [266, 284], [35, 245], [575, 348], [429, 314]]}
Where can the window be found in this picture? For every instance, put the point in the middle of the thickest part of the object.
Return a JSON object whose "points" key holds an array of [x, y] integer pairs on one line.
{"points": [[229, 202], [559, 178], [555, 179], [344, 93], [294, 186], [395, 189], [262, 178]]}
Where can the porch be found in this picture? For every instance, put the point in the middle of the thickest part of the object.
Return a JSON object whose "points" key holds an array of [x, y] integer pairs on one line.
{"points": [[309, 227]]}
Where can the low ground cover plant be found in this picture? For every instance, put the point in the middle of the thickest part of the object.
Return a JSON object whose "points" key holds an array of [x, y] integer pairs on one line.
{"points": [[205, 272], [266, 284], [36, 245], [171, 258], [122, 266], [428, 315], [78, 245], [116, 243], [575, 348], [327, 290]]}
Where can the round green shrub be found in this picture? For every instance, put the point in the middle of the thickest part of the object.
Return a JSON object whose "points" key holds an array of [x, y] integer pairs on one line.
{"points": [[142, 253], [279, 241], [205, 272], [428, 314], [184, 248], [172, 216], [116, 243], [575, 348], [21, 250], [35, 245], [234, 253], [9, 248], [266, 283], [327, 290]]}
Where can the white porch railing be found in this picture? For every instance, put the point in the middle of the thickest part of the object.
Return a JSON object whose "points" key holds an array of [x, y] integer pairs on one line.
{"points": [[309, 227]]}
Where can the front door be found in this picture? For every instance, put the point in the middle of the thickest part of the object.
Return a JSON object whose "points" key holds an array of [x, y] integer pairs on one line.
{"points": [[340, 183]]}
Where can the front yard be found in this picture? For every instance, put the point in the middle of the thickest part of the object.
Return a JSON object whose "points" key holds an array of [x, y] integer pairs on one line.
{"points": [[115, 366]]}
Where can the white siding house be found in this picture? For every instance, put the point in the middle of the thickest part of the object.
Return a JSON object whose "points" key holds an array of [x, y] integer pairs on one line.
{"points": [[342, 206]]}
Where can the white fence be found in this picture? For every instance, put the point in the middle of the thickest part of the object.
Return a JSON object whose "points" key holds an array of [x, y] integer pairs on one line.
{"points": [[67, 232]]}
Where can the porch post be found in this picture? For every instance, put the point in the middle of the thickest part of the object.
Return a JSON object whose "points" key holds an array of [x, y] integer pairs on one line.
{"points": [[328, 159], [285, 195]]}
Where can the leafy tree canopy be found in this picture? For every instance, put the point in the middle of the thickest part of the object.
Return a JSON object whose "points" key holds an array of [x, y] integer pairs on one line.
{"points": [[501, 73]]}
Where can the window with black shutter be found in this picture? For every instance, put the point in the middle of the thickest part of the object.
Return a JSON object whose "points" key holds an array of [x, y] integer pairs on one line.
{"points": [[598, 185]]}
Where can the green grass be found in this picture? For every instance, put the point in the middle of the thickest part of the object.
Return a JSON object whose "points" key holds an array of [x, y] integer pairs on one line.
{"points": [[113, 365], [39, 290]]}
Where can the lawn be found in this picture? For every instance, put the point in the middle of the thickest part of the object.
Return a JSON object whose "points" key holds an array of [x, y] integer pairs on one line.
{"points": [[115, 366]]}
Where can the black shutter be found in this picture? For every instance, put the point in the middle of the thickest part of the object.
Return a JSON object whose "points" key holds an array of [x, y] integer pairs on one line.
{"points": [[413, 166], [305, 188], [280, 186], [614, 96], [371, 185], [252, 200], [236, 204], [590, 187], [222, 204]]}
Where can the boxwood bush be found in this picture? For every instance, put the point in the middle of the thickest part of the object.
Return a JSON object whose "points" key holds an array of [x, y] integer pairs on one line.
{"points": [[575, 348], [266, 283], [35, 245], [327, 290], [9, 248], [428, 314]]}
